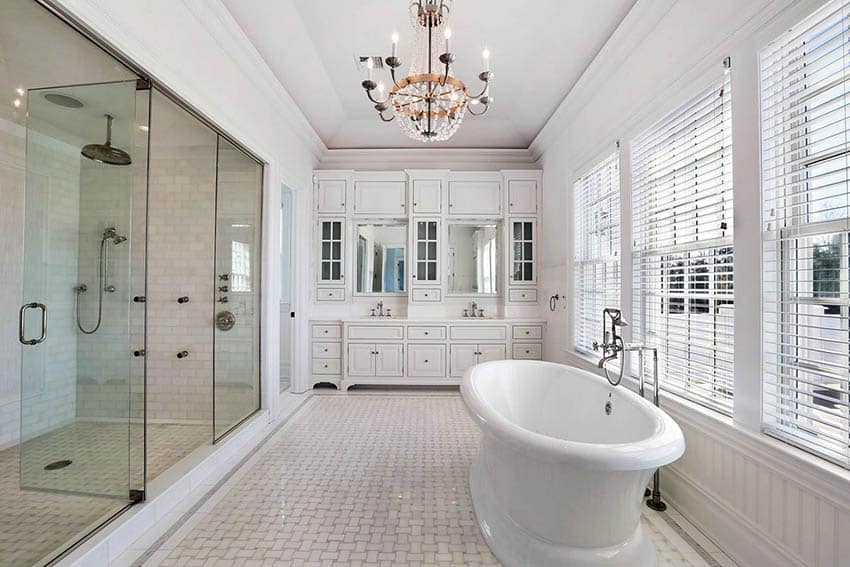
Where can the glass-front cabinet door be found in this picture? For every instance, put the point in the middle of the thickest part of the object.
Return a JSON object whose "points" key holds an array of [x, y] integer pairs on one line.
{"points": [[426, 238], [523, 270], [331, 234]]}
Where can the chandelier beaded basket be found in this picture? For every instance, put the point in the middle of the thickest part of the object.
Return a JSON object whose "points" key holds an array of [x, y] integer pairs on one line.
{"points": [[429, 102]]}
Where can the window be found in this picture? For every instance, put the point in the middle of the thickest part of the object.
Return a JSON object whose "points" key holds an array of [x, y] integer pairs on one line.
{"points": [[805, 192], [682, 252], [240, 265], [597, 248]]}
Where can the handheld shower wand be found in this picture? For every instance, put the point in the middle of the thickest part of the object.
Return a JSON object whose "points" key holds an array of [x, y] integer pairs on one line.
{"points": [[102, 273]]}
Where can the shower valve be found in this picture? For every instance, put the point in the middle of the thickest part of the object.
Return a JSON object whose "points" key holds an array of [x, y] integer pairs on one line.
{"points": [[224, 277], [183, 354], [222, 299], [184, 299], [223, 288], [139, 352]]}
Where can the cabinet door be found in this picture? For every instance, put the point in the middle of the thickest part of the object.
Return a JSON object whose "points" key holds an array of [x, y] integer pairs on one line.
{"points": [[379, 198], [426, 361], [474, 198], [522, 197], [361, 359], [426, 196], [331, 240], [426, 248], [389, 359], [486, 353], [462, 357], [330, 196], [523, 269]]}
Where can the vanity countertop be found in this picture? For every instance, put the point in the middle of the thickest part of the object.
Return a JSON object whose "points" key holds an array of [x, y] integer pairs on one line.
{"points": [[444, 321]]}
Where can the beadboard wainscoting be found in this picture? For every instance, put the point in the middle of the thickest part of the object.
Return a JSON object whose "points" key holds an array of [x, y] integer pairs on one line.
{"points": [[764, 502]]}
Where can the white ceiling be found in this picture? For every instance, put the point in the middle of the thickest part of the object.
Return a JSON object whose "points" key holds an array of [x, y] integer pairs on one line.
{"points": [[540, 49]]}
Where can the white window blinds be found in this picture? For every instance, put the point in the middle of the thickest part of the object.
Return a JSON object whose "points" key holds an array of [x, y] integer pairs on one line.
{"points": [[597, 249], [682, 251], [805, 190]]}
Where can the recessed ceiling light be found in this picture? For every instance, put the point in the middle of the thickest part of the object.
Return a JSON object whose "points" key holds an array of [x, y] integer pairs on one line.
{"points": [[63, 100], [16, 103], [20, 91]]}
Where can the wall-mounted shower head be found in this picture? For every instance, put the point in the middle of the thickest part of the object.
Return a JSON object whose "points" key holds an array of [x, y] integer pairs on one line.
{"points": [[106, 152], [111, 234]]}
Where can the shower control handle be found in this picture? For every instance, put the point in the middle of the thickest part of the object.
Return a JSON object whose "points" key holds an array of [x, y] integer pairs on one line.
{"points": [[140, 352], [224, 277], [183, 354], [184, 299], [139, 299], [223, 288], [222, 299]]}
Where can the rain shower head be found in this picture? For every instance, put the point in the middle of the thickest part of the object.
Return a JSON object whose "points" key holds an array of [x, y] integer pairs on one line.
{"points": [[106, 152]]}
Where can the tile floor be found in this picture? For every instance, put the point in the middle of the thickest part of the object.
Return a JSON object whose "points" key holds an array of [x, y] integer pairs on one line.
{"points": [[34, 523], [365, 479]]}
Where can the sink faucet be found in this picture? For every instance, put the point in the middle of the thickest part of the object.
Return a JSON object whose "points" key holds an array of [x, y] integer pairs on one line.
{"points": [[474, 310], [380, 309]]}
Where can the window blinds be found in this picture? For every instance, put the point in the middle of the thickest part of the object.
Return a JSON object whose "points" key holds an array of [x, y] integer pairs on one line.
{"points": [[682, 251], [597, 249], [805, 191]]}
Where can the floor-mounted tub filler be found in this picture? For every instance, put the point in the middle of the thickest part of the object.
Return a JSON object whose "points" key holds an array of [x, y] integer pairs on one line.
{"points": [[564, 461]]}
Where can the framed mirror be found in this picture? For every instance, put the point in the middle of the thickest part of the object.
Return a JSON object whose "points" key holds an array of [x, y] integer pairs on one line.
{"points": [[381, 258], [473, 258]]}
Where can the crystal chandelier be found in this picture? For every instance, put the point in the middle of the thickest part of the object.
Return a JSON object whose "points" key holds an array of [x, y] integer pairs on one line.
{"points": [[429, 102]]}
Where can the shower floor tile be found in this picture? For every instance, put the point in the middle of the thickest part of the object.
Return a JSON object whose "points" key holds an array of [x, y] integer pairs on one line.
{"points": [[363, 478], [37, 522]]}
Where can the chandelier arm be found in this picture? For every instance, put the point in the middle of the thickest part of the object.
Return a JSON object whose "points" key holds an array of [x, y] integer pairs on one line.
{"points": [[482, 113], [392, 74], [384, 119], [369, 94], [483, 91]]}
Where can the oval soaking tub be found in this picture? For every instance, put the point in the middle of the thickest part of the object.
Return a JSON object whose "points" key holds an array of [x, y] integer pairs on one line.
{"points": [[563, 464]]}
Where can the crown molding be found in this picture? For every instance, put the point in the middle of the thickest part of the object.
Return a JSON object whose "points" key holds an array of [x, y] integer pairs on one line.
{"points": [[479, 159], [644, 16]]}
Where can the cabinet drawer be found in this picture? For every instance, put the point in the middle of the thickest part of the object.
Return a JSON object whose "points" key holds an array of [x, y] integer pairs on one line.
{"points": [[426, 295], [326, 350], [521, 295], [529, 332], [425, 361], [530, 351], [370, 332], [326, 332], [426, 333], [330, 294], [326, 366], [477, 333]]}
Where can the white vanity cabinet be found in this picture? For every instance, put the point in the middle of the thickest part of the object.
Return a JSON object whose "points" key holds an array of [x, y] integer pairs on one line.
{"points": [[387, 198], [522, 197], [466, 356], [480, 197], [331, 196], [375, 360], [326, 352], [389, 351], [426, 252], [427, 196]]}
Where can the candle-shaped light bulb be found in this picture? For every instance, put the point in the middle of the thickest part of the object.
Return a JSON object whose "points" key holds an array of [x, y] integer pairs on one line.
{"points": [[369, 65], [486, 55], [448, 35], [395, 43], [381, 88]]}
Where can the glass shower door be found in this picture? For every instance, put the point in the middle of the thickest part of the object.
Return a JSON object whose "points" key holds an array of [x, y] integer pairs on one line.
{"points": [[86, 160], [236, 342]]}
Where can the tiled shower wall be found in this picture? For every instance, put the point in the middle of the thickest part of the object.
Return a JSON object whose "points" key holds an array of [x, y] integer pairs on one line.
{"points": [[181, 249], [50, 386]]}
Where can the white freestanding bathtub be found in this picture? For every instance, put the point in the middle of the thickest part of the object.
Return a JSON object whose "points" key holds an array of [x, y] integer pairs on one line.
{"points": [[559, 479]]}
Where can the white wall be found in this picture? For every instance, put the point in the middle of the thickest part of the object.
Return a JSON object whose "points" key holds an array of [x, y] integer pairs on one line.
{"points": [[196, 50], [765, 502]]}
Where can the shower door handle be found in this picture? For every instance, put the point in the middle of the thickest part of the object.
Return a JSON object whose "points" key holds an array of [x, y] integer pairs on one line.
{"points": [[21, 324]]}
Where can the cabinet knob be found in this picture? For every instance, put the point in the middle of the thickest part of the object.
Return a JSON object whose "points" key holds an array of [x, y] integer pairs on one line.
{"points": [[327, 365], [426, 333], [326, 331], [526, 332], [326, 350], [415, 204], [426, 361], [527, 351]]}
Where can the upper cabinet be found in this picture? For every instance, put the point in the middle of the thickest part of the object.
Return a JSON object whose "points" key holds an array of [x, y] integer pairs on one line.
{"points": [[475, 197], [330, 196], [522, 197], [381, 198], [427, 196]]}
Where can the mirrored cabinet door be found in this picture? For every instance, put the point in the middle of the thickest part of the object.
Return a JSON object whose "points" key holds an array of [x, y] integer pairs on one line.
{"points": [[426, 239], [331, 233], [522, 251]]}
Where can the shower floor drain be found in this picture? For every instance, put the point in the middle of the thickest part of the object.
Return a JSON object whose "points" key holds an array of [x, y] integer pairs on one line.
{"points": [[55, 466]]}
